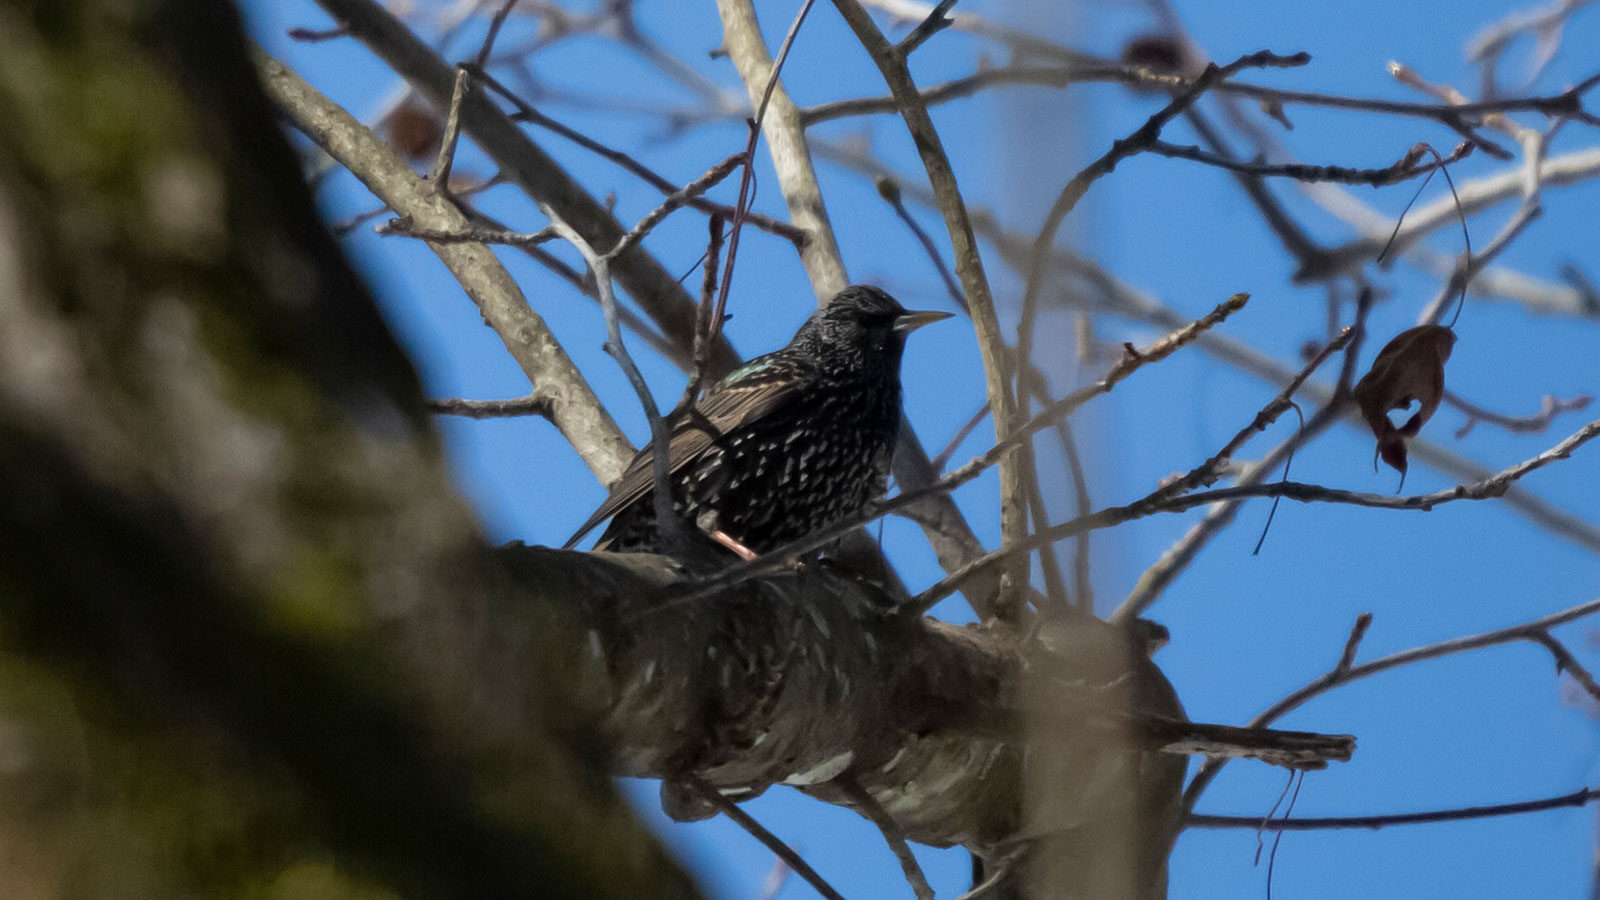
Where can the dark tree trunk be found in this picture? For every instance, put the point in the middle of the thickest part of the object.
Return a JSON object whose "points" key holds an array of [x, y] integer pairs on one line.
{"points": [[242, 613]]}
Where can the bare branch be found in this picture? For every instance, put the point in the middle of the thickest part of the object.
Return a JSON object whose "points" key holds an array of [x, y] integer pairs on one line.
{"points": [[756, 830], [1487, 48], [1407, 167], [936, 22], [531, 405], [1476, 196], [889, 190], [896, 838], [969, 266], [1492, 487], [1207, 472], [1580, 797], [452, 131], [676, 200], [574, 409], [1549, 408], [1141, 139], [526, 113], [1352, 644], [469, 234], [650, 285], [1345, 674], [779, 120], [668, 524], [1566, 662]]}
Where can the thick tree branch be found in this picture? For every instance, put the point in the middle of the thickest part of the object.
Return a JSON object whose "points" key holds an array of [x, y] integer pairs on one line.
{"points": [[799, 677], [791, 157]]}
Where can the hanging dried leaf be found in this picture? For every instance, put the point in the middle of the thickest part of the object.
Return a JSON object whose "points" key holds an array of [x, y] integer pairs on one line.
{"points": [[1410, 368], [413, 130]]}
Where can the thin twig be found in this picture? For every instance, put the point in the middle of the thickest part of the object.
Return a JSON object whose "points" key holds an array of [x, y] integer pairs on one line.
{"points": [[960, 437], [708, 300], [313, 35], [889, 190], [768, 839], [1206, 473], [531, 405], [1492, 487], [1475, 197], [819, 254], [1403, 169], [1580, 797], [345, 226], [495, 24], [676, 200], [1141, 139], [969, 266], [452, 132], [1343, 675], [1487, 48], [1082, 586], [526, 113], [1176, 558], [869, 806], [1566, 662], [1549, 408], [936, 21], [1533, 148], [668, 525], [1352, 644]]}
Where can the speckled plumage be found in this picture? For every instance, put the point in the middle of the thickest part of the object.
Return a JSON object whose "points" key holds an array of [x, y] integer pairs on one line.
{"points": [[788, 443]]}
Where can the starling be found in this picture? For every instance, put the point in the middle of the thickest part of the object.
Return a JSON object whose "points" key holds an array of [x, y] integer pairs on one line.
{"points": [[788, 443]]}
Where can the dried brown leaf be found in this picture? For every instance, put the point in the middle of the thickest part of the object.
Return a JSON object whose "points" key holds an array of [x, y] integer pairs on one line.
{"points": [[413, 130], [1409, 369]]}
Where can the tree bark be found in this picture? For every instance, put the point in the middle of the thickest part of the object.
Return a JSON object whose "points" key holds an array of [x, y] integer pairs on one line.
{"points": [[243, 634]]}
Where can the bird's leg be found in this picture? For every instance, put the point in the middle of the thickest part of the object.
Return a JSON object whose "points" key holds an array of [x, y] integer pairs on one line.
{"points": [[707, 523]]}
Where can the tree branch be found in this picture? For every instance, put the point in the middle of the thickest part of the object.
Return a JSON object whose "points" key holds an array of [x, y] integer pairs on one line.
{"points": [[650, 285], [1580, 797], [1494, 486], [891, 64], [1345, 673], [573, 407]]}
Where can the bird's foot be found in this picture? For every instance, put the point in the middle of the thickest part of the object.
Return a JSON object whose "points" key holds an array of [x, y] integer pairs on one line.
{"points": [[723, 538], [707, 523]]}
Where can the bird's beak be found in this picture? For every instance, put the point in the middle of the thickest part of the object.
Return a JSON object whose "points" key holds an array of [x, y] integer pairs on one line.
{"points": [[913, 319]]}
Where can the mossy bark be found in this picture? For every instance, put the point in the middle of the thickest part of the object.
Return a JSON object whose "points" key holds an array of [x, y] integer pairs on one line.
{"points": [[243, 640]]}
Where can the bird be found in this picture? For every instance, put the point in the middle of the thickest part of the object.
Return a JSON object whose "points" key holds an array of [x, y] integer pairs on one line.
{"points": [[788, 443]]}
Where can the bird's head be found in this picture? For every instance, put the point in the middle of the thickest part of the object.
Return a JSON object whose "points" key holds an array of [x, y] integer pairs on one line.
{"points": [[863, 321]]}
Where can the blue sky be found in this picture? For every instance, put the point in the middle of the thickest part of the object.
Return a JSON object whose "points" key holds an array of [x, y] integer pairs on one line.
{"points": [[1487, 727]]}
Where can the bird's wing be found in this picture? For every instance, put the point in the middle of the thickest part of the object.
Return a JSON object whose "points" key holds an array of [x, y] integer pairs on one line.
{"points": [[756, 389]]}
